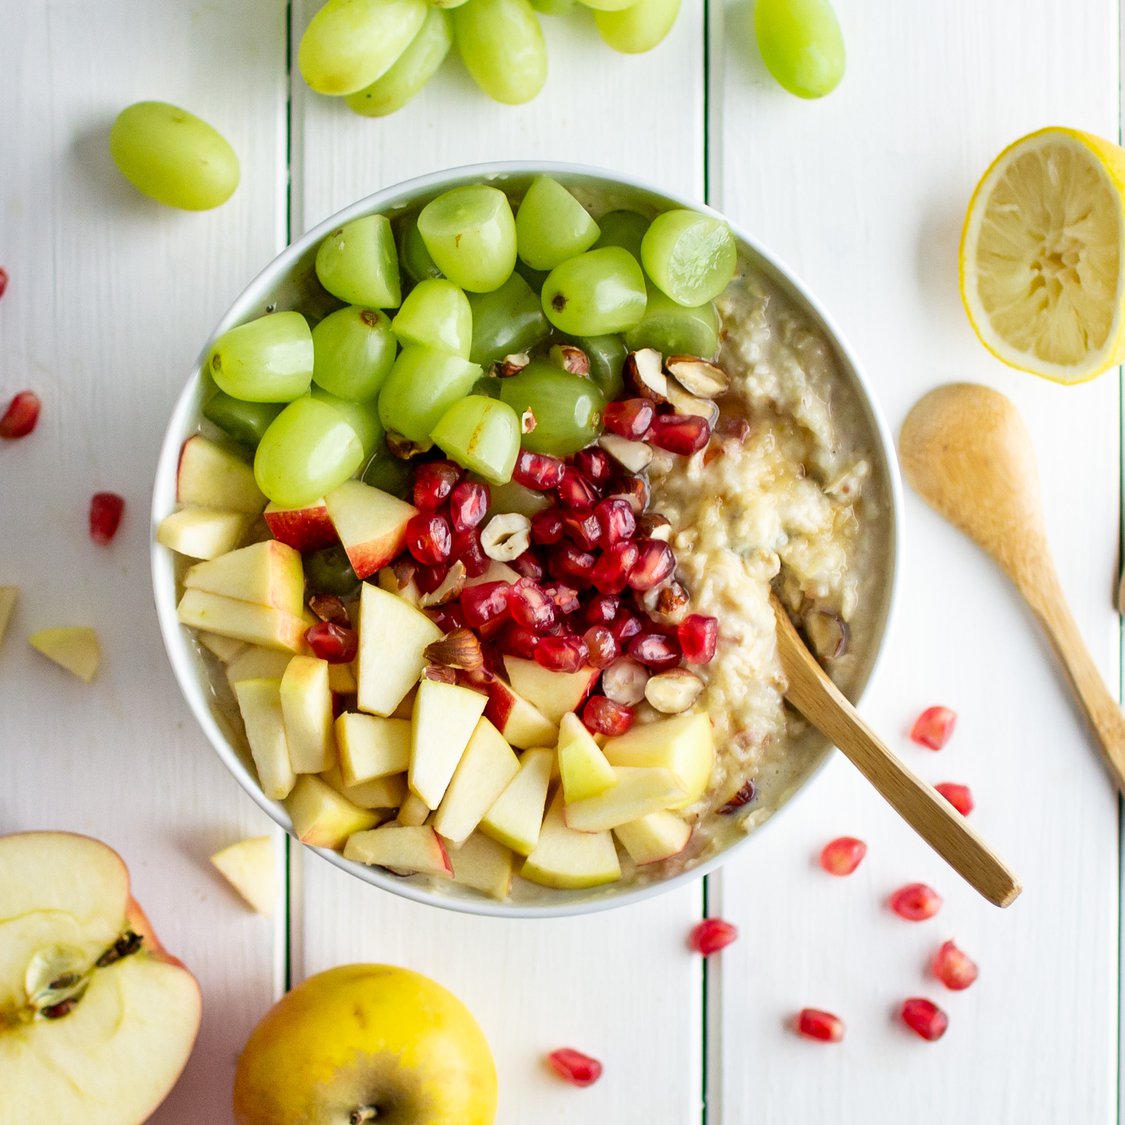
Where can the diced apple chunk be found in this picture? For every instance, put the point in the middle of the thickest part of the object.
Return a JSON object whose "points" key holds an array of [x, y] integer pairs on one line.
{"points": [[523, 725], [649, 839], [445, 716], [259, 701], [257, 663], [306, 704], [304, 529], [73, 647], [484, 865], [413, 811], [639, 791], [211, 476], [684, 744], [382, 793], [553, 693], [267, 573], [482, 774], [8, 597], [225, 648], [582, 766], [417, 850], [392, 637], [322, 817], [516, 816], [371, 524], [371, 746], [249, 867], [565, 858], [202, 533], [255, 624]]}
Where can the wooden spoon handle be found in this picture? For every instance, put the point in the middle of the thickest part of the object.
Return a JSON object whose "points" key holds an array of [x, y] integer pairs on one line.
{"points": [[922, 807]]}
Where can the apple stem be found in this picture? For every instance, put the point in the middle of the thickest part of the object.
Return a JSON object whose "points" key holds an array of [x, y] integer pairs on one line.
{"points": [[364, 1113]]}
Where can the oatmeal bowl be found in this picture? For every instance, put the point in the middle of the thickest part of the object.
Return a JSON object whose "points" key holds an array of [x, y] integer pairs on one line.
{"points": [[465, 528]]}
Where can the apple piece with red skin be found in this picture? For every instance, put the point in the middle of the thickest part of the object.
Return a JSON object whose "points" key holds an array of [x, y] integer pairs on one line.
{"points": [[371, 524], [418, 850], [267, 573], [553, 693], [95, 1016], [211, 476], [523, 725], [304, 529]]}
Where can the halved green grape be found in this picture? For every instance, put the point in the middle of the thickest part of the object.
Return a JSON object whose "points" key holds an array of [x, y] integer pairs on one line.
{"points": [[391, 474], [607, 358], [689, 256], [675, 329], [436, 312], [567, 408], [173, 156], [308, 449], [423, 384], [622, 228], [470, 233], [507, 320], [349, 43], [329, 571], [595, 293], [801, 44], [502, 47], [638, 28], [551, 225], [412, 252], [353, 350], [363, 417], [514, 497], [482, 435], [244, 421], [411, 70], [359, 263], [265, 360]]}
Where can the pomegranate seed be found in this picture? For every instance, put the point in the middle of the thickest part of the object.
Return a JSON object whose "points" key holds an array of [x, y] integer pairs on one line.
{"points": [[812, 1023], [332, 642], [633, 489], [561, 654], [933, 727], [656, 651], [604, 716], [484, 602], [564, 597], [654, 564], [20, 417], [529, 565], [601, 609], [571, 565], [583, 528], [429, 578], [575, 491], [915, 902], [625, 626], [954, 968], [611, 572], [446, 617], [680, 433], [429, 538], [3, 280], [433, 483], [711, 935], [538, 471], [547, 527], [531, 607], [574, 1067], [616, 521], [924, 1017], [698, 634], [744, 796], [603, 646], [958, 796], [467, 549], [629, 418], [842, 855], [515, 640], [468, 505], [329, 607], [594, 464], [106, 509]]}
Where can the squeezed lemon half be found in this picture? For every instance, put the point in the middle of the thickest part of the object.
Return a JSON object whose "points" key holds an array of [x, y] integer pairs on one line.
{"points": [[1042, 252]]}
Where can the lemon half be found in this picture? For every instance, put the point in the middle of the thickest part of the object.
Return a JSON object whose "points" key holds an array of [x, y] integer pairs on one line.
{"points": [[1042, 252]]}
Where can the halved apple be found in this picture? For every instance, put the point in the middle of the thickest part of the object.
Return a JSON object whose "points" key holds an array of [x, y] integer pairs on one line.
{"points": [[684, 744], [392, 638], [323, 817], [482, 774], [639, 791], [445, 716], [304, 529], [649, 839], [259, 700], [202, 533], [8, 597], [417, 850], [554, 693], [249, 867], [371, 746], [211, 476], [381, 793], [483, 864], [73, 647], [371, 524], [516, 816], [523, 725], [565, 858], [582, 765], [255, 624], [306, 705], [267, 573]]}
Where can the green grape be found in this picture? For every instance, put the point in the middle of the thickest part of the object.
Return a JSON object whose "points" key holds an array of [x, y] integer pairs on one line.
{"points": [[622, 228], [507, 320], [265, 360], [555, 7], [514, 497], [551, 225], [607, 358], [359, 264], [689, 257], [423, 384], [244, 421], [487, 385], [675, 329], [607, 5], [534, 278], [437, 313], [391, 474], [410, 72], [482, 435], [173, 157], [309, 449], [502, 47], [353, 350], [350, 43], [328, 571], [638, 28], [595, 293], [470, 233], [363, 417], [412, 252], [801, 44], [567, 408]]}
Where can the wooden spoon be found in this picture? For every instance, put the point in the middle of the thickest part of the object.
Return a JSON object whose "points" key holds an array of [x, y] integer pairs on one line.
{"points": [[967, 452], [921, 806]]}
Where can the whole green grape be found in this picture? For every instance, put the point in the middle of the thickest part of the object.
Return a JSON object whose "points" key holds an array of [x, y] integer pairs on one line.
{"points": [[607, 5], [689, 256], [674, 329], [423, 384], [506, 321], [607, 359], [622, 228], [436, 312], [412, 252], [534, 278], [390, 474], [265, 360], [243, 421], [482, 435], [359, 263], [329, 571], [551, 225], [502, 47], [363, 417], [470, 233], [353, 350], [801, 44], [514, 497], [567, 408], [555, 7], [595, 293], [639, 27], [173, 157]]}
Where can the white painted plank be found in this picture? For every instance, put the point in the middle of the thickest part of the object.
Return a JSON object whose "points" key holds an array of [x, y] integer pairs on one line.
{"points": [[864, 194], [110, 299]]}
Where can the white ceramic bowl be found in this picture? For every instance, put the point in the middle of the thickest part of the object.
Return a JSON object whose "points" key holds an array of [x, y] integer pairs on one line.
{"points": [[289, 281]]}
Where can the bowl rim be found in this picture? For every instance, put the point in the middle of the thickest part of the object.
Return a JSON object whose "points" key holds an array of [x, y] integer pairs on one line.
{"points": [[176, 639]]}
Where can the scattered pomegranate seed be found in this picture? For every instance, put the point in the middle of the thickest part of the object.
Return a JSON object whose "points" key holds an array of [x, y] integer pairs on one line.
{"points": [[515, 640], [467, 549], [330, 607], [629, 417], [842, 855], [428, 538], [574, 1067], [915, 902], [531, 607], [106, 510], [634, 489], [655, 562], [561, 654], [575, 491], [538, 471], [954, 968], [583, 528], [933, 727], [484, 602], [610, 573], [603, 646], [959, 796], [601, 609], [547, 527], [446, 617], [20, 417], [433, 482], [656, 651], [680, 433], [744, 796], [429, 578], [698, 635], [571, 565], [812, 1023], [924, 1017], [3, 280], [604, 716], [529, 565], [332, 642], [468, 505], [594, 464], [711, 935], [625, 626], [616, 521]]}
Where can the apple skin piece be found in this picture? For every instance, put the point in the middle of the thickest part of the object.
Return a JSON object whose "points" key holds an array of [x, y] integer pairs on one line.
{"points": [[371, 524], [73, 647], [202, 533], [582, 765], [483, 864], [652, 838], [483, 773], [226, 649], [8, 597], [259, 701], [370, 746], [115, 1055], [211, 476], [566, 859], [445, 716], [516, 816], [416, 849], [251, 869], [392, 637], [304, 529], [257, 663], [244, 621], [366, 1035], [384, 793], [267, 573], [306, 706], [324, 818], [639, 791], [554, 693], [523, 725], [684, 744]]}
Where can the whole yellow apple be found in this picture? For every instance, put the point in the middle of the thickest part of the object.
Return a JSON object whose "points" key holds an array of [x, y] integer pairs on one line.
{"points": [[363, 1043]]}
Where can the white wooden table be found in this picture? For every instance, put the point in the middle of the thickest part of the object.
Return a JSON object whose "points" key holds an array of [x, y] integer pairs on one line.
{"points": [[863, 195]]}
